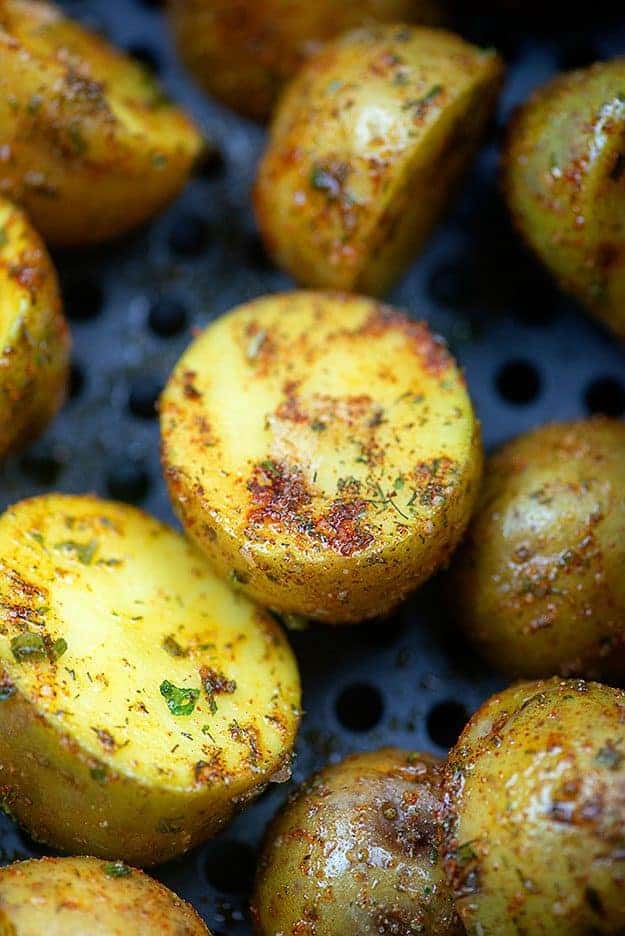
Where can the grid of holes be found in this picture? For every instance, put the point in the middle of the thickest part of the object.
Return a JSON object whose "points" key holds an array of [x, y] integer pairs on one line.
{"points": [[397, 683]]}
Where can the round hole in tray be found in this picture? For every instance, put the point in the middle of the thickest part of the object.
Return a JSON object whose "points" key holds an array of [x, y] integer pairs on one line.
{"points": [[167, 316], [128, 481], [230, 866], [42, 467], [143, 397], [188, 235], [360, 707], [147, 56], [83, 299], [518, 382], [605, 396], [445, 722], [76, 383]]}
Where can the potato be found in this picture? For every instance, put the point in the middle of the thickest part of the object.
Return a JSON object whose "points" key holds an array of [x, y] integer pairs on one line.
{"points": [[365, 148], [245, 55], [90, 147], [34, 339], [563, 172], [535, 812], [142, 701], [354, 853], [539, 583], [79, 896], [323, 452]]}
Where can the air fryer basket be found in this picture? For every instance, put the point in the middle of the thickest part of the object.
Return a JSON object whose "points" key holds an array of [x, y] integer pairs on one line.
{"points": [[530, 356]]}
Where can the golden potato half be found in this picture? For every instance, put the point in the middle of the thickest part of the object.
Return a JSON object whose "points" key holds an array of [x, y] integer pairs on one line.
{"points": [[244, 52], [535, 812], [79, 896], [34, 340], [563, 176], [90, 146], [364, 151], [323, 451], [355, 853], [142, 701], [538, 583]]}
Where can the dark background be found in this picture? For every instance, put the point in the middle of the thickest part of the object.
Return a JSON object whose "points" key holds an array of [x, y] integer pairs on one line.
{"points": [[530, 356]]}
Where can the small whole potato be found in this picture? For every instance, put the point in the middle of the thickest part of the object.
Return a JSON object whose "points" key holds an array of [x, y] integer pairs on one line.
{"points": [[365, 148], [142, 702], [563, 176], [538, 584], [354, 853], [244, 52], [80, 896], [89, 145], [534, 812], [34, 339], [323, 451]]}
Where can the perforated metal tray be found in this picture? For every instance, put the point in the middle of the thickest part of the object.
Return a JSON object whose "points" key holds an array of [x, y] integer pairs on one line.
{"points": [[529, 354]]}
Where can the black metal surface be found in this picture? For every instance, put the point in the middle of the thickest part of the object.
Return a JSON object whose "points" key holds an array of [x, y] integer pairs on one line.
{"points": [[530, 356]]}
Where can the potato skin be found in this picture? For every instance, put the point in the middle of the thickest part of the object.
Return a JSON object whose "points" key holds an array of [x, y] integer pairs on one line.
{"points": [[91, 147], [534, 812], [34, 356], [245, 55], [563, 166], [365, 148], [100, 753], [323, 451], [76, 896], [354, 852], [538, 584]]}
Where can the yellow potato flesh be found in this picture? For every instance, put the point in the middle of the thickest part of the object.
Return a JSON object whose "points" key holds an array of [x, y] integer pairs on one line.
{"points": [[91, 147], [323, 451], [34, 340], [79, 896], [364, 151], [92, 756]]}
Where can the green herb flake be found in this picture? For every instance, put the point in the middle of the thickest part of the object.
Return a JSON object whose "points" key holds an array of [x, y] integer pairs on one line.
{"points": [[4, 237], [83, 552], [179, 701], [79, 144], [26, 647], [117, 869], [318, 426], [7, 689], [171, 645], [609, 756], [465, 853], [59, 647], [399, 482], [98, 774]]}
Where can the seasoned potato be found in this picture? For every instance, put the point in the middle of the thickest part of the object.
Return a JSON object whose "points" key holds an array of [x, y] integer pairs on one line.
{"points": [[34, 339], [354, 853], [366, 145], [563, 176], [245, 55], [142, 701], [79, 896], [323, 451], [90, 146], [535, 812], [539, 584]]}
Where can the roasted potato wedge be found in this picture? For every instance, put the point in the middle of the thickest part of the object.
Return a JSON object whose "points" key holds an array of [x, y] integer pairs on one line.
{"points": [[364, 150], [535, 812], [323, 451], [142, 700], [538, 583], [563, 176], [90, 147], [355, 853], [79, 896], [245, 54], [34, 339]]}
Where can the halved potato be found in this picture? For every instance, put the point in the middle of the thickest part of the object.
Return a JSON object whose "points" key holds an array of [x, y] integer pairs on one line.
{"points": [[365, 148], [142, 701], [243, 53], [354, 853], [563, 177], [89, 145], [79, 896], [323, 451], [34, 339]]}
